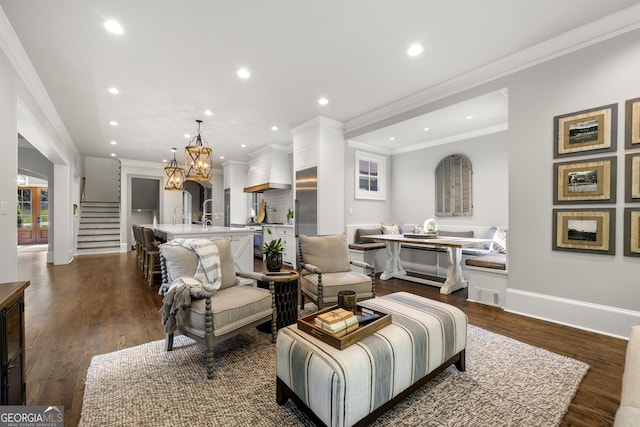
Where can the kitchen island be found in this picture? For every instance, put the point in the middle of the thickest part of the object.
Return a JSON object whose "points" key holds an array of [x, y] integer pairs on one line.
{"points": [[241, 239]]}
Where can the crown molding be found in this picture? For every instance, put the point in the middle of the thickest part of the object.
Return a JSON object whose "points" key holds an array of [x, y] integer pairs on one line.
{"points": [[595, 32], [13, 49]]}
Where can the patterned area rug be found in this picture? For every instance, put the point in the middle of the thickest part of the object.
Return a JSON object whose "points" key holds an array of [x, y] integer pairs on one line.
{"points": [[507, 383]]}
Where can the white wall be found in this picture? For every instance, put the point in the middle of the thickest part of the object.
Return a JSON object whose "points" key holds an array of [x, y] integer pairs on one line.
{"points": [[592, 291], [413, 182], [26, 108]]}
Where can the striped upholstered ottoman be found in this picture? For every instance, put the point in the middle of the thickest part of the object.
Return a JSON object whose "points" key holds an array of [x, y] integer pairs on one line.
{"points": [[356, 385]]}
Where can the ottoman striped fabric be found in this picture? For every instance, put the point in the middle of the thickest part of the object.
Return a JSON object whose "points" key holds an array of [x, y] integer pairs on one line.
{"points": [[343, 387]]}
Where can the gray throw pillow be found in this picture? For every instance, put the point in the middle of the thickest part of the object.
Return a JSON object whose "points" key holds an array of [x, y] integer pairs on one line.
{"points": [[329, 253], [227, 266], [361, 233]]}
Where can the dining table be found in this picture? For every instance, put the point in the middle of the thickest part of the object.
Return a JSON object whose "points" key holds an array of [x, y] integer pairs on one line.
{"points": [[454, 245]]}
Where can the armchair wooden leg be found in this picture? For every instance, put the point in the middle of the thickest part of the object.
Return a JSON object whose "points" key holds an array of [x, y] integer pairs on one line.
{"points": [[274, 326], [168, 342], [301, 301]]}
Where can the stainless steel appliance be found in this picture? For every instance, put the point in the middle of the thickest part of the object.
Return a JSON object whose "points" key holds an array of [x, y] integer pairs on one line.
{"points": [[306, 202], [257, 240]]}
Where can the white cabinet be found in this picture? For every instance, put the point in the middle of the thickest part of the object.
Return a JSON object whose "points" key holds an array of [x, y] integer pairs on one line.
{"points": [[287, 234]]}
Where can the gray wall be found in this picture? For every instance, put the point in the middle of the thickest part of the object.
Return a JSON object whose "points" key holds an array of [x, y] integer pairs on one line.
{"points": [[599, 75], [413, 182]]}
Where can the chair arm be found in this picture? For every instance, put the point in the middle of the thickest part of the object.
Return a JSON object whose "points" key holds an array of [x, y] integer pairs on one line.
{"points": [[364, 265], [311, 268], [254, 276]]}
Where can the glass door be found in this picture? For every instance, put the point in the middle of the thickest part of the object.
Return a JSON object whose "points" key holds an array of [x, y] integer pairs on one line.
{"points": [[33, 215]]}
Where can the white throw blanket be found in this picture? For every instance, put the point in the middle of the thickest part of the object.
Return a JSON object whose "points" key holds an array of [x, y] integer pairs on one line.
{"points": [[206, 281]]}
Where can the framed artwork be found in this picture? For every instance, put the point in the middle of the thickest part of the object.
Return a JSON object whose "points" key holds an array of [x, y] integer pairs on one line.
{"points": [[632, 178], [585, 181], [632, 232], [632, 123], [585, 131], [584, 230], [370, 176]]}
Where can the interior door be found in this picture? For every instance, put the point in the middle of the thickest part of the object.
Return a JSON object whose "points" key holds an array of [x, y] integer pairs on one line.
{"points": [[33, 215]]}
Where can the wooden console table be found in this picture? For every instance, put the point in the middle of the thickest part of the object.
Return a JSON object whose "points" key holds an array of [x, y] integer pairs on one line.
{"points": [[453, 245], [12, 378]]}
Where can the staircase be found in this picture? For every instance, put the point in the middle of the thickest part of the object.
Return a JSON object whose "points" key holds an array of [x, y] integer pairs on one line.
{"points": [[99, 230]]}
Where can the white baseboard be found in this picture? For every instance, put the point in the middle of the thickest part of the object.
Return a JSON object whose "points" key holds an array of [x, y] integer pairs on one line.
{"points": [[612, 321]]}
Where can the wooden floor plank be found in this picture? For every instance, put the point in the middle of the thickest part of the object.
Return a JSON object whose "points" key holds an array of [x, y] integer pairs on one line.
{"points": [[102, 303]]}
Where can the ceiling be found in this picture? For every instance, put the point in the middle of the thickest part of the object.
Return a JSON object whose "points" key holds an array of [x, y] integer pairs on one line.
{"points": [[177, 59]]}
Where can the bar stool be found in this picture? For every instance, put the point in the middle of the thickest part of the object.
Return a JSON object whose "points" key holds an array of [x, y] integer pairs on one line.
{"points": [[152, 260]]}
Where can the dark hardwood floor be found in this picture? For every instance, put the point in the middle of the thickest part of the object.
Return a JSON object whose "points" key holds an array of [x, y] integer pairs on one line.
{"points": [[101, 303]]}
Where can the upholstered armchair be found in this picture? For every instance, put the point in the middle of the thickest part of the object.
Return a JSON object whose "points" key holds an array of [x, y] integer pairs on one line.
{"points": [[325, 270], [232, 309]]}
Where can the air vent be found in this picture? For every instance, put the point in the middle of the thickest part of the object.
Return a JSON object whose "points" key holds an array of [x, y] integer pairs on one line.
{"points": [[488, 296]]}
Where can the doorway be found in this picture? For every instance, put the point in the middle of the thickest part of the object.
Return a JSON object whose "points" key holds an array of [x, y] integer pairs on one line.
{"points": [[33, 215]]}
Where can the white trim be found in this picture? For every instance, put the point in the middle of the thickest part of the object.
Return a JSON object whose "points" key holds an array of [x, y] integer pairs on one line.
{"points": [[612, 321], [381, 161], [368, 147], [11, 46], [453, 138]]}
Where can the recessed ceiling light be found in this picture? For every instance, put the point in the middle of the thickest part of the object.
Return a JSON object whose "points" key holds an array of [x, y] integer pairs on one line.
{"points": [[113, 27], [164, 160], [208, 113], [113, 154], [426, 129], [323, 101], [186, 135], [221, 157], [274, 128], [113, 123], [393, 138], [243, 145], [469, 117], [114, 90], [415, 50], [113, 142], [243, 73]]}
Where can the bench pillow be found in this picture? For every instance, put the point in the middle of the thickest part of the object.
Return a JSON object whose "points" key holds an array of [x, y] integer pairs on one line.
{"points": [[361, 233], [499, 243], [390, 229], [329, 253]]}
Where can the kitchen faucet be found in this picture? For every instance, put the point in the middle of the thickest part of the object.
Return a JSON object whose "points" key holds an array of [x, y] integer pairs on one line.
{"points": [[204, 213]]}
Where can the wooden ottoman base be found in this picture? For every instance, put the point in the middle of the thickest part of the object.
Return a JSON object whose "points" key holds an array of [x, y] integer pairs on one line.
{"points": [[356, 385]]}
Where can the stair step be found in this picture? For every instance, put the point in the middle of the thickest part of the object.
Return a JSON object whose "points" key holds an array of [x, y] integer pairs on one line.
{"points": [[99, 215], [98, 237], [82, 244], [89, 251], [98, 231], [112, 220]]}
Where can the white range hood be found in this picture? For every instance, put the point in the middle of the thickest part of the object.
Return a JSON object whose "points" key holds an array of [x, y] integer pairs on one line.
{"points": [[268, 168]]}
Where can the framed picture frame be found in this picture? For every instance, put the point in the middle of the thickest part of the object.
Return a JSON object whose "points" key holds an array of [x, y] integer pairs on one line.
{"points": [[585, 131], [584, 230], [632, 178], [632, 123], [585, 181], [632, 232]]}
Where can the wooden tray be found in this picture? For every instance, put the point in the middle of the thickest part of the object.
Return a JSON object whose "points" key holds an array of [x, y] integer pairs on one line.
{"points": [[308, 325]]}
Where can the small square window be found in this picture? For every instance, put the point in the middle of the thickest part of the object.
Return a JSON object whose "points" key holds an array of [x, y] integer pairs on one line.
{"points": [[370, 177]]}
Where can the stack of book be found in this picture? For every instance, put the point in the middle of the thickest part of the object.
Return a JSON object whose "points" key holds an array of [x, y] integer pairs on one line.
{"points": [[338, 322]]}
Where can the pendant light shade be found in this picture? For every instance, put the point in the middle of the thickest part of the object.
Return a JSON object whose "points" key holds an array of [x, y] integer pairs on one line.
{"points": [[198, 158], [174, 175]]}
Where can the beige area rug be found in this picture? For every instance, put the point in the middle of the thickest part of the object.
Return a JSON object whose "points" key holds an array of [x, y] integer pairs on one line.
{"points": [[507, 383]]}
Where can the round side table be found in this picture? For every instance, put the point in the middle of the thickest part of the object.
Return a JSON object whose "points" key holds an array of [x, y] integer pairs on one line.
{"points": [[286, 293]]}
